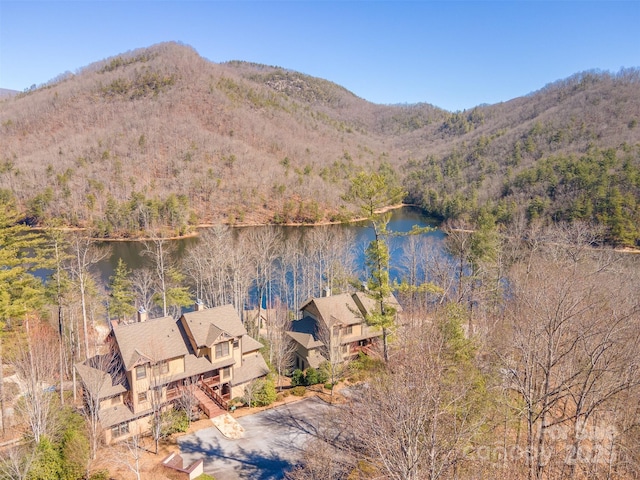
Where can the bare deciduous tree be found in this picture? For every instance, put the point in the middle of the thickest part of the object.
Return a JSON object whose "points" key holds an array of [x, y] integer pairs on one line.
{"points": [[265, 244], [143, 285], [322, 461], [570, 353], [218, 268], [188, 401], [159, 250], [281, 347], [130, 454], [102, 372], [85, 255], [333, 350], [250, 391], [413, 420], [36, 371], [15, 462]]}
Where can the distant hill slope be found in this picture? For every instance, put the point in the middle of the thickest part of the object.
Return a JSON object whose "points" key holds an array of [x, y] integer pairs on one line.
{"points": [[161, 135], [5, 92]]}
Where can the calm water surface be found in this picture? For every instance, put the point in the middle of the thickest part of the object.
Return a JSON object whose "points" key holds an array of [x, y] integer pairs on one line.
{"points": [[402, 220]]}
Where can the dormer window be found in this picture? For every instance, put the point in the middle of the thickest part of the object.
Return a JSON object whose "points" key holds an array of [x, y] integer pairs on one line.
{"points": [[222, 350]]}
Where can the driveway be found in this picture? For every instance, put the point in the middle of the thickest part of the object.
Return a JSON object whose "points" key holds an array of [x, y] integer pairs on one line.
{"points": [[272, 443]]}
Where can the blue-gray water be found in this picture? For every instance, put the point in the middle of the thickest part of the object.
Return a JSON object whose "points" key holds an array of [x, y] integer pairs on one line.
{"points": [[402, 220]]}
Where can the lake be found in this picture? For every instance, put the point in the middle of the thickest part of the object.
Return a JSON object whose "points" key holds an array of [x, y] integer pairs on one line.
{"points": [[402, 220]]}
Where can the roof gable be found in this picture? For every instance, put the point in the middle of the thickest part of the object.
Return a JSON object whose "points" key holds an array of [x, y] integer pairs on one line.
{"points": [[207, 325], [336, 309]]}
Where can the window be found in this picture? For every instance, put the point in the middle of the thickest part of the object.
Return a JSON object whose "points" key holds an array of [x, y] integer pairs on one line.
{"points": [[345, 348], [222, 350], [120, 430], [348, 330], [236, 343], [225, 372], [142, 397], [161, 368], [141, 372]]}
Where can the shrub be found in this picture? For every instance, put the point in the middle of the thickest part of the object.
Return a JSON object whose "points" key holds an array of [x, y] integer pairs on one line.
{"points": [[312, 376], [100, 475], [366, 363], [47, 463], [328, 386], [297, 378], [266, 394], [72, 445], [323, 375], [299, 391], [174, 421]]}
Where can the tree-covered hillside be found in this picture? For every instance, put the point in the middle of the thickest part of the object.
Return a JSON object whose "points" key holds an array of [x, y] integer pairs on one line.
{"points": [[162, 137]]}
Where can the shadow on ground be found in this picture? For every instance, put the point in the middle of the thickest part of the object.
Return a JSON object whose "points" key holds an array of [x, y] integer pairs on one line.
{"points": [[272, 444]]}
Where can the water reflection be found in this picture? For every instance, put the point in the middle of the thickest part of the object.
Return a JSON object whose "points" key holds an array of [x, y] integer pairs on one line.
{"points": [[402, 220]]}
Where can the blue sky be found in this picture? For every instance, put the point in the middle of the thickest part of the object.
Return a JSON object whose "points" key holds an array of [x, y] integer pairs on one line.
{"points": [[452, 54]]}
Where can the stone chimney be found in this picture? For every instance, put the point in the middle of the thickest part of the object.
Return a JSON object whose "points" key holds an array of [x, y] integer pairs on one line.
{"points": [[143, 315], [199, 306], [326, 291]]}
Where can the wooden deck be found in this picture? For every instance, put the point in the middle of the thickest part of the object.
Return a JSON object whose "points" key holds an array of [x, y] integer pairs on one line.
{"points": [[208, 406], [207, 393]]}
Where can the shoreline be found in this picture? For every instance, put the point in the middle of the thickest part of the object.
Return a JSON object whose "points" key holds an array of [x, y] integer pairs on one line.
{"points": [[201, 226], [196, 232]]}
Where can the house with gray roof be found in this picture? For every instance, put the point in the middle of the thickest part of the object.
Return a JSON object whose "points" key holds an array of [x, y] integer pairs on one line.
{"points": [[338, 322], [153, 361]]}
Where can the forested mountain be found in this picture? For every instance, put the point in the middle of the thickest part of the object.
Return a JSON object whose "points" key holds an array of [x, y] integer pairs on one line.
{"points": [[163, 136]]}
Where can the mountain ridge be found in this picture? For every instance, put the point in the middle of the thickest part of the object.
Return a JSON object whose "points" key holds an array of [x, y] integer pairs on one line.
{"points": [[162, 135]]}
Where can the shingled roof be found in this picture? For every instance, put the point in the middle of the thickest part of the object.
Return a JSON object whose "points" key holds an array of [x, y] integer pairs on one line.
{"points": [[304, 332], [253, 366], [100, 383], [368, 305], [250, 344], [151, 341], [208, 324], [335, 309]]}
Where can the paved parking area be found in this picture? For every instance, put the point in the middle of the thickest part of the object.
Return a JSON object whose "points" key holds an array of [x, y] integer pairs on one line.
{"points": [[272, 443]]}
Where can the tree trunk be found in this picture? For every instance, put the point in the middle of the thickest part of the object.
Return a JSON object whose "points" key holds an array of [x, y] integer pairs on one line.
{"points": [[61, 338], [4, 431], [84, 319], [385, 345]]}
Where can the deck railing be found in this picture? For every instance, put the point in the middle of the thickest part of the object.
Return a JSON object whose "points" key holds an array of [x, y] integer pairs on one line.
{"points": [[173, 393], [213, 395], [211, 381]]}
